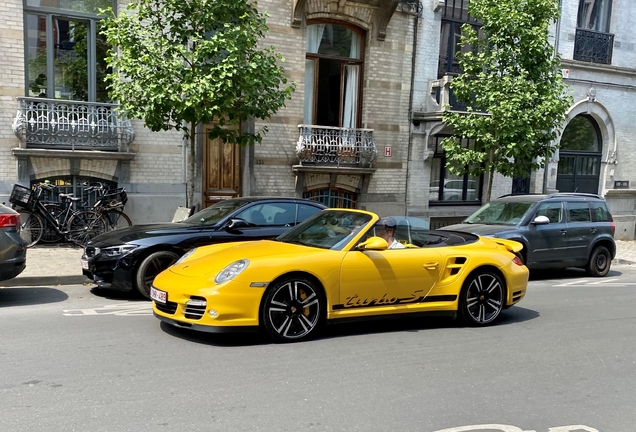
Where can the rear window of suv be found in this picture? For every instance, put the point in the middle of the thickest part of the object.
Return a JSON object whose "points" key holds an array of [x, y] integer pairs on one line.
{"points": [[600, 212]]}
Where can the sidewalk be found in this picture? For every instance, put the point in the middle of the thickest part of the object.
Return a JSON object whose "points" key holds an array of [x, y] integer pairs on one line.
{"points": [[60, 265]]}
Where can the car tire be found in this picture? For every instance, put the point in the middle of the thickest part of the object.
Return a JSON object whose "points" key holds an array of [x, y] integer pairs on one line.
{"points": [[482, 298], [600, 262], [150, 267], [292, 309]]}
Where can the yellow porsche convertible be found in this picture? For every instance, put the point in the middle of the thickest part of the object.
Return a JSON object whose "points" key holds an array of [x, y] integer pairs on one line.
{"points": [[338, 265]]}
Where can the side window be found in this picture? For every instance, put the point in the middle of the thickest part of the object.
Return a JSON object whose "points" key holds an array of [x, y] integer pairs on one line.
{"points": [[306, 210], [253, 215], [600, 212], [279, 214], [579, 212], [551, 210]]}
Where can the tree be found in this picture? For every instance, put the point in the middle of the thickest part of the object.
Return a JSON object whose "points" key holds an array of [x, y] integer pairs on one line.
{"points": [[179, 64], [512, 85]]}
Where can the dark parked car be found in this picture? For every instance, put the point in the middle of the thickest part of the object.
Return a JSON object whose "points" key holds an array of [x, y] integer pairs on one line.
{"points": [[557, 230], [12, 247], [131, 257]]}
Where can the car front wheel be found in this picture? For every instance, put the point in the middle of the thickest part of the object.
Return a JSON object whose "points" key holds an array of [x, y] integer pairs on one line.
{"points": [[482, 298], [292, 309], [600, 262], [150, 267]]}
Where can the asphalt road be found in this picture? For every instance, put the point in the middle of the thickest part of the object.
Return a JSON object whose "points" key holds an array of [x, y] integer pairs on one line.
{"points": [[564, 359]]}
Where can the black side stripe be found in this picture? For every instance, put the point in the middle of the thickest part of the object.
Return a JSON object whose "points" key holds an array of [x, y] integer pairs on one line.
{"points": [[429, 299]]}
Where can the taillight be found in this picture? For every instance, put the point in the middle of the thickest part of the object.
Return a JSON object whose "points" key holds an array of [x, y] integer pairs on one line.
{"points": [[9, 220], [517, 261], [613, 225]]}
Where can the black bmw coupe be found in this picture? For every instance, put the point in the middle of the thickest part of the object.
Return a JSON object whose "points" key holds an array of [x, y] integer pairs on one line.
{"points": [[130, 258]]}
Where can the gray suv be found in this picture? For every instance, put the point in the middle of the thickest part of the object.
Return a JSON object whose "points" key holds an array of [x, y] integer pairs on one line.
{"points": [[557, 230]]}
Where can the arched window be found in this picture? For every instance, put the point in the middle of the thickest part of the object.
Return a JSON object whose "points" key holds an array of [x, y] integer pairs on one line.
{"points": [[580, 156], [332, 197], [333, 68], [582, 134]]}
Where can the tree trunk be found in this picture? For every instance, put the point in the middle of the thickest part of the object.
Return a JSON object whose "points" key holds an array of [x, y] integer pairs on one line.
{"points": [[191, 166]]}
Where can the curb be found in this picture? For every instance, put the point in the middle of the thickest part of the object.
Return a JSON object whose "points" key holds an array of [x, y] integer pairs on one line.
{"points": [[45, 281]]}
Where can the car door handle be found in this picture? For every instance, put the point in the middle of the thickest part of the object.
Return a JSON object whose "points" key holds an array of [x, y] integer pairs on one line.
{"points": [[431, 265], [564, 232], [593, 230]]}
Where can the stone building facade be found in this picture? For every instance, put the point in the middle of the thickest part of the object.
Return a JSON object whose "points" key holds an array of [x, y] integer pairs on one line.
{"points": [[361, 130]]}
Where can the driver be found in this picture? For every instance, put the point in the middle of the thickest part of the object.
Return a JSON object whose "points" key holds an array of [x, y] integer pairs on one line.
{"points": [[389, 231]]}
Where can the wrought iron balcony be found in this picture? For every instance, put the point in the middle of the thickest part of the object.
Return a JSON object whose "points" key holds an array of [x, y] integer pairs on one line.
{"points": [[325, 145], [592, 46], [71, 125]]}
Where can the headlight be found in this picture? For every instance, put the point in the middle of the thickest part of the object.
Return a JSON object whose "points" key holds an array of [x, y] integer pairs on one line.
{"points": [[231, 271], [187, 254], [118, 251]]}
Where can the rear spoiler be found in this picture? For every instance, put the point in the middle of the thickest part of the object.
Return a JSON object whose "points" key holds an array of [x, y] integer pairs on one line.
{"points": [[510, 245]]}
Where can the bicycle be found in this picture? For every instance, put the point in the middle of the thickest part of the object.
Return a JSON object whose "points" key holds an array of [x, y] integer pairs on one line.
{"points": [[110, 206], [77, 227]]}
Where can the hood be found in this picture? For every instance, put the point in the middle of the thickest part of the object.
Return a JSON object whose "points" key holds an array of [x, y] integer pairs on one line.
{"points": [[135, 233], [221, 256], [480, 229]]}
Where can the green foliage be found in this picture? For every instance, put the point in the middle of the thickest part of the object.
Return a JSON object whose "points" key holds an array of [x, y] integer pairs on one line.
{"points": [[513, 88], [182, 63]]}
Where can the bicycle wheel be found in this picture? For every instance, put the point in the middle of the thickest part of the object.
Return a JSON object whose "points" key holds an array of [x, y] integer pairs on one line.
{"points": [[50, 234], [116, 219], [31, 227], [84, 226]]}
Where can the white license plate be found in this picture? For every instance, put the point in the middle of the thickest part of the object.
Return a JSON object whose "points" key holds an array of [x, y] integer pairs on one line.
{"points": [[158, 296], [85, 264]]}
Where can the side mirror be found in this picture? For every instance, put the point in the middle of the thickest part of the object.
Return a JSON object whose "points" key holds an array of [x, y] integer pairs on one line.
{"points": [[541, 220], [236, 223], [373, 243]]}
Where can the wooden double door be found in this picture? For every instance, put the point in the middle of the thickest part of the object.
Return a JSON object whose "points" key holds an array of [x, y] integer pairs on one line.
{"points": [[221, 170]]}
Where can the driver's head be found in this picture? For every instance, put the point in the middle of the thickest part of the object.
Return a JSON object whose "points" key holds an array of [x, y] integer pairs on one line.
{"points": [[389, 224]]}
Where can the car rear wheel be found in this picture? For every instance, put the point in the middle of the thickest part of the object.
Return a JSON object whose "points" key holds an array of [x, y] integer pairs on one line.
{"points": [[292, 310], [150, 267], [482, 298], [600, 262]]}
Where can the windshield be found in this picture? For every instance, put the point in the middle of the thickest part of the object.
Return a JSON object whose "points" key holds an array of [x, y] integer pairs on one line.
{"points": [[329, 229], [215, 213], [500, 213]]}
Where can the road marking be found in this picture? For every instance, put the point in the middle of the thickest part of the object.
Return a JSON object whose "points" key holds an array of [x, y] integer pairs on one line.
{"points": [[605, 282], [508, 428], [118, 309]]}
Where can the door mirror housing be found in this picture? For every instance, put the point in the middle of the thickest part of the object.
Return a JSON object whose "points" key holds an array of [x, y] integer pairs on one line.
{"points": [[541, 220], [373, 243], [236, 223]]}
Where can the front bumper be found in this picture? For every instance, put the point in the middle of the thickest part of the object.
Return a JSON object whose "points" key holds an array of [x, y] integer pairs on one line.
{"points": [[116, 274], [206, 328]]}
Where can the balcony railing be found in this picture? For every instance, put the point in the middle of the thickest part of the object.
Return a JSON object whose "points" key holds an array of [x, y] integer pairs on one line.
{"points": [[325, 145], [71, 125], [592, 46]]}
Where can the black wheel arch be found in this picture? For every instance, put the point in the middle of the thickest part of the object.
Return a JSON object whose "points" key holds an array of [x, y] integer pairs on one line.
{"points": [[607, 243], [146, 252]]}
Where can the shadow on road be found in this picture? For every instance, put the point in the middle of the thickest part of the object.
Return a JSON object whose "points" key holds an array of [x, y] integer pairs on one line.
{"points": [[569, 273], [30, 296], [117, 295], [375, 326], [222, 339]]}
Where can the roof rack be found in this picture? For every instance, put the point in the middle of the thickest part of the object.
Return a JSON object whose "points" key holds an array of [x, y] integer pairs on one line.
{"points": [[519, 194], [581, 194]]}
